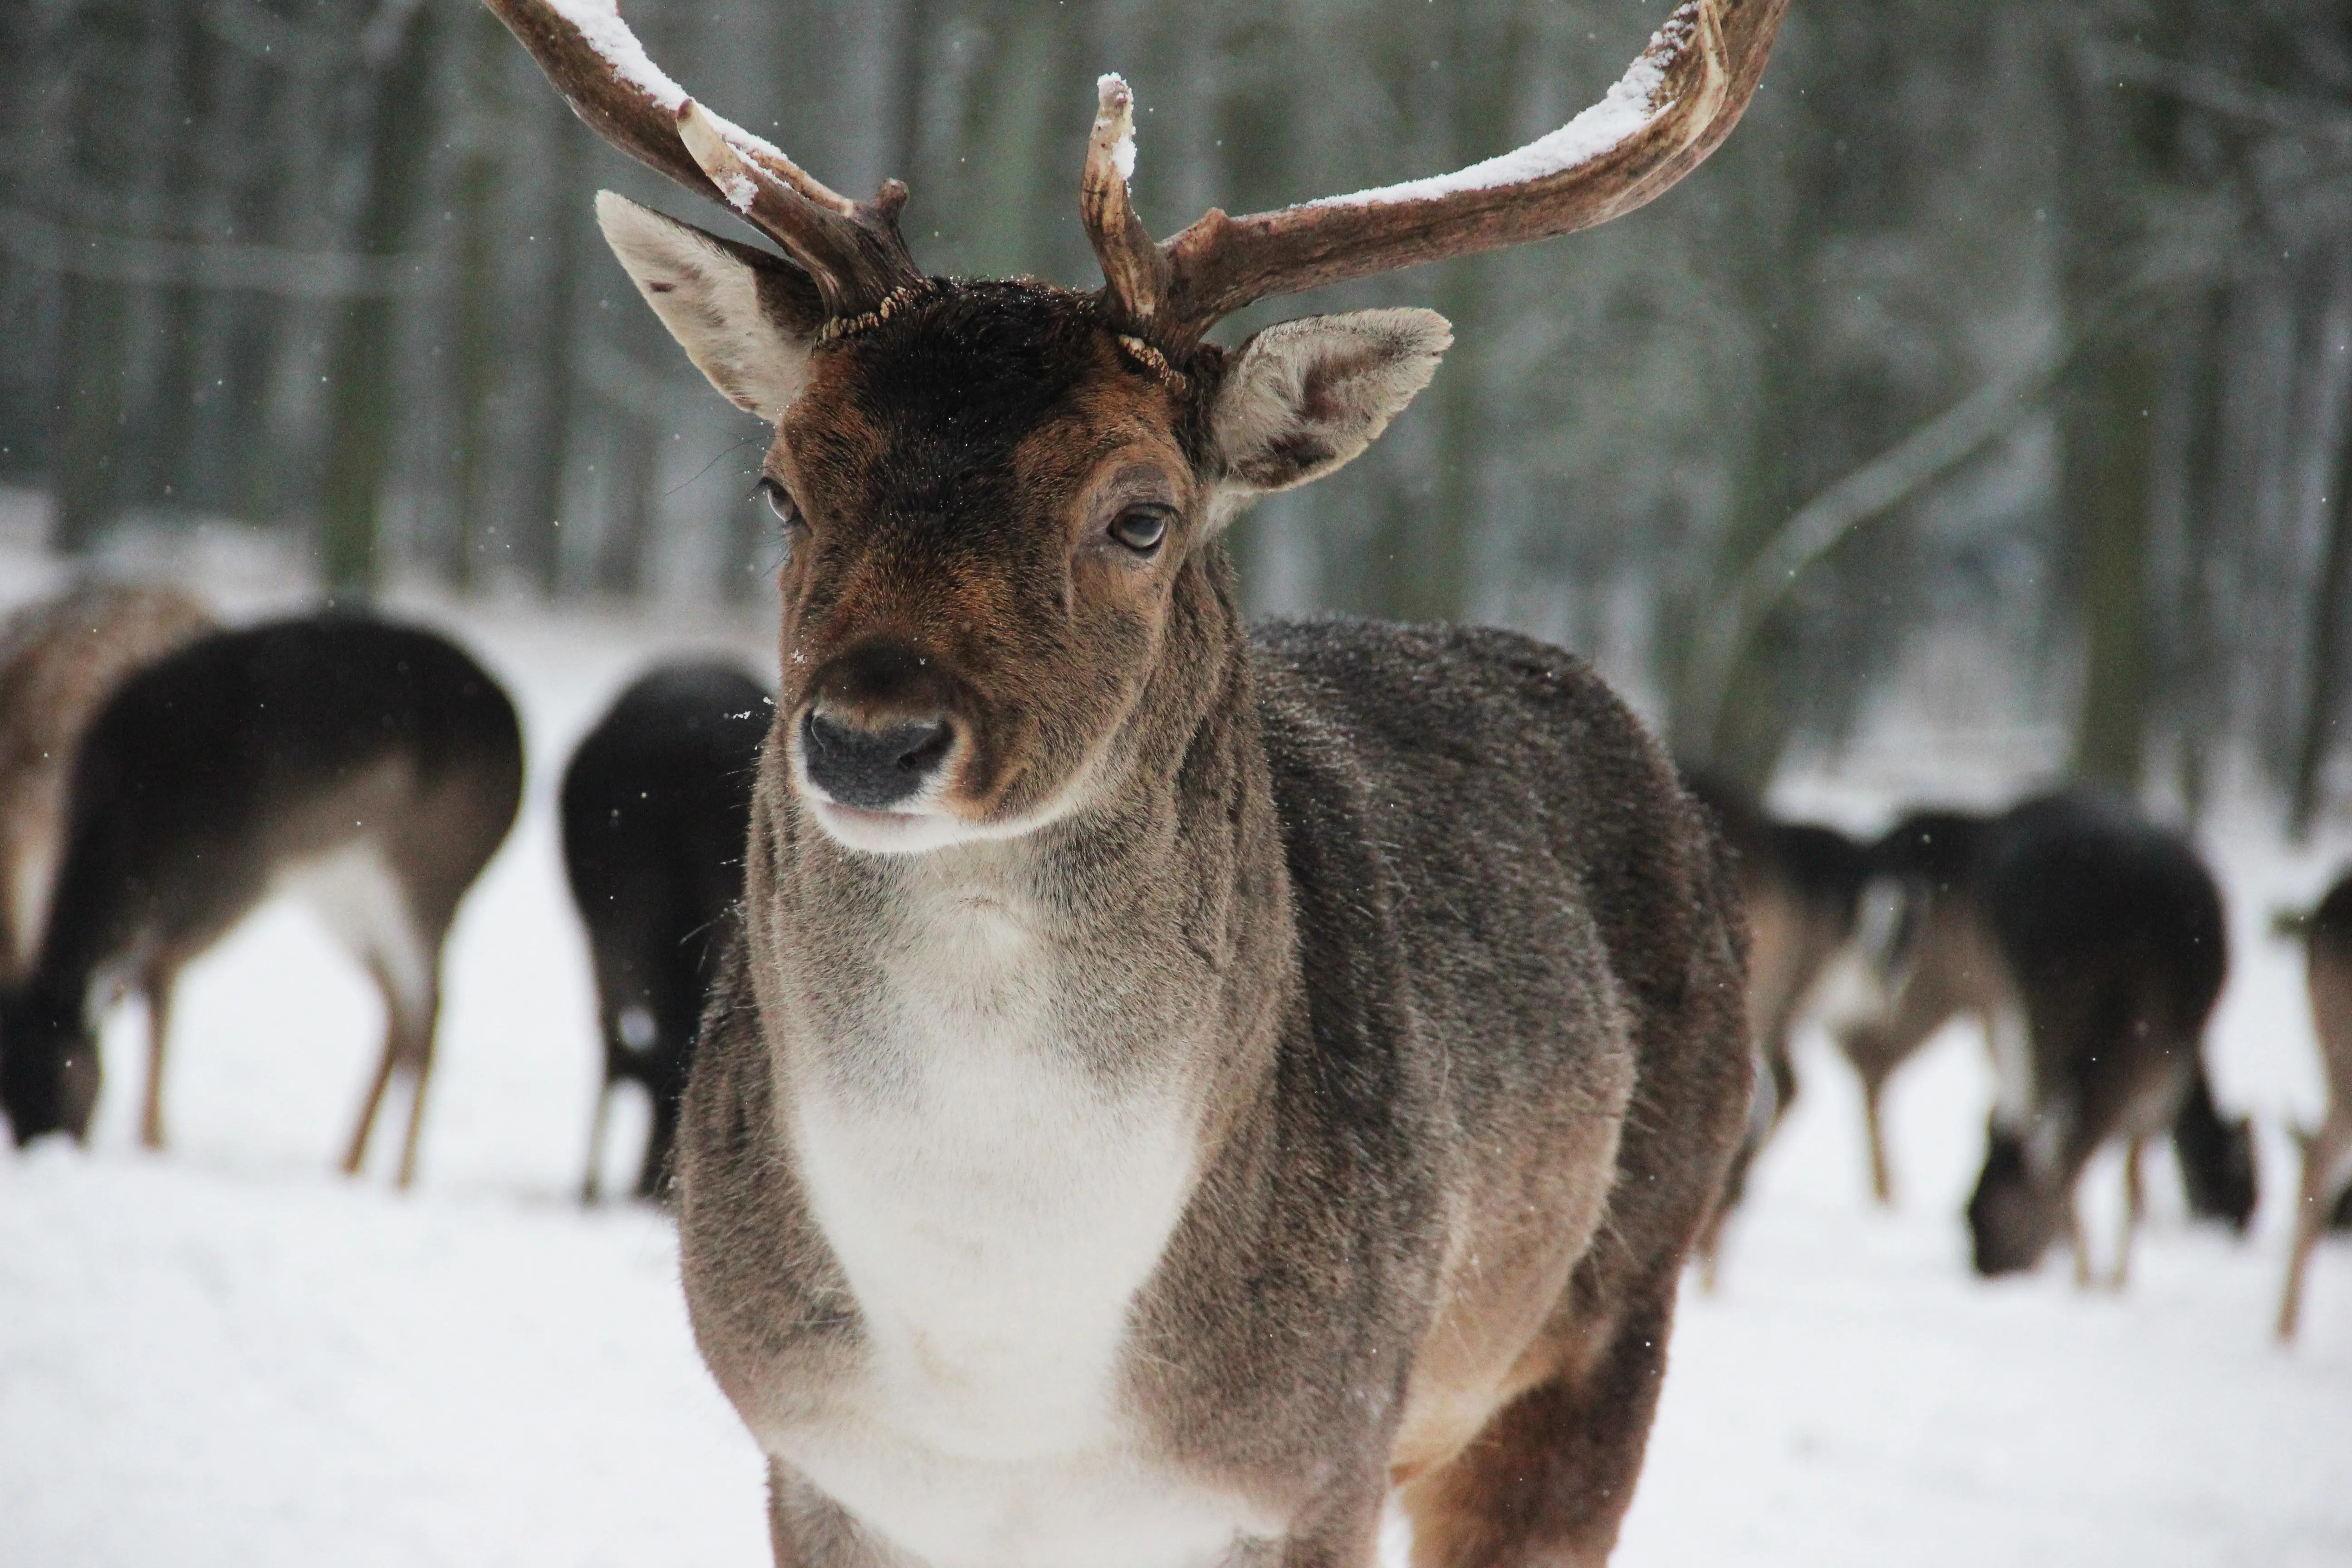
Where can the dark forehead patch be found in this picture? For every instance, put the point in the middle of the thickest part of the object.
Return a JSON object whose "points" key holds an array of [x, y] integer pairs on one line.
{"points": [[977, 365]]}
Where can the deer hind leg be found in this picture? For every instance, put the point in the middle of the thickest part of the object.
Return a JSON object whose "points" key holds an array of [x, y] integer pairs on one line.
{"points": [[2134, 1209], [2323, 1173], [367, 906], [157, 984], [1874, 1126], [1549, 1477], [591, 1189]]}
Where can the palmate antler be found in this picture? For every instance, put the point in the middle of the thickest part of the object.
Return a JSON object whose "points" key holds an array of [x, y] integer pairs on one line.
{"points": [[1669, 111]]}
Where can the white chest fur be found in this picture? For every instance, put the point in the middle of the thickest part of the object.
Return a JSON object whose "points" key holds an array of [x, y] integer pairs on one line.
{"points": [[996, 1199]]}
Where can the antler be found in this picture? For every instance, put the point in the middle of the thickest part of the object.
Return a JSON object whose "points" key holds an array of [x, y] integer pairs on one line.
{"points": [[1671, 108], [853, 249]]}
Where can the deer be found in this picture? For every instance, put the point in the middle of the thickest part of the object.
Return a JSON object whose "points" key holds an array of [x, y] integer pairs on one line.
{"points": [[656, 806], [367, 768], [1800, 884], [2324, 1199], [60, 658], [1177, 1087], [1920, 956], [2092, 945]]}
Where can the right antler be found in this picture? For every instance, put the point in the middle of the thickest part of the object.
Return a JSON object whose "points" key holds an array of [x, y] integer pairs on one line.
{"points": [[1669, 111], [853, 249]]}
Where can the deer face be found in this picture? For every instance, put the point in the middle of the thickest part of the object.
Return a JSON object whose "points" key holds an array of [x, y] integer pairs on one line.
{"points": [[989, 498]]}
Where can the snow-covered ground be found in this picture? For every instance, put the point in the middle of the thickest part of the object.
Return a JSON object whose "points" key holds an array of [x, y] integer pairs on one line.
{"points": [[227, 1356]]}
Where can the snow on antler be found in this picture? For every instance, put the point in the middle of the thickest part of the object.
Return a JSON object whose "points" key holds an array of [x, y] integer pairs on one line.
{"points": [[602, 30], [1623, 112]]}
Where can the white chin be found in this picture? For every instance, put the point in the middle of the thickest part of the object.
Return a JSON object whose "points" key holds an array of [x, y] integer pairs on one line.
{"points": [[890, 832]]}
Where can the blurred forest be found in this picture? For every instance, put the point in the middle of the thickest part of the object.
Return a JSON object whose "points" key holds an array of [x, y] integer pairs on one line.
{"points": [[2025, 317]]}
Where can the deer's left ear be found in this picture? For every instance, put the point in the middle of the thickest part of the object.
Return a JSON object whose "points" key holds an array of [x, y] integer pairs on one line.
{"points": [[745, 317], [1304, 397]]}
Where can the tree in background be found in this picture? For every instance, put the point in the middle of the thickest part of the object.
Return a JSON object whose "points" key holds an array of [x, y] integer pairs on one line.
{"points": [[2012, 317]]}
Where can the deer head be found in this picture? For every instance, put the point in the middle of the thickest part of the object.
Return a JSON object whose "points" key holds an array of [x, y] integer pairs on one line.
{"points": [[1000, 498]]}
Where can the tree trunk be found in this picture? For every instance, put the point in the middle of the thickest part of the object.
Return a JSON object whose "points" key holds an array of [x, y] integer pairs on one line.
{"points": [[362, 375], [2328, 664], [2105, 495]]}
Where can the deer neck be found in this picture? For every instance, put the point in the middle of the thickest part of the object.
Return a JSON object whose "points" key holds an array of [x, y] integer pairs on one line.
{"points": [[1001, 1067]]}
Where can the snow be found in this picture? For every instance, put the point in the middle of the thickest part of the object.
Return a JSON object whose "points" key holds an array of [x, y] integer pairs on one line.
{"points": [[225, 1354], [601, 29], [1625, 110], [1111, 90]]}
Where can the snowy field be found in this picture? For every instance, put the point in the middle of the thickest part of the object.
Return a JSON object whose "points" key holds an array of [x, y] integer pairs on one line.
{"points": [[226, 1354]]}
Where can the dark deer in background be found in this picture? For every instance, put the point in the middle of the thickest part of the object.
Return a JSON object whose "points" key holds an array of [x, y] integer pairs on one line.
{"points": [[1926, 951], [2091, 944], [1801, 885], [372, 769], [657, 805], [2325, 1194], [60, 658], [1176, 1088]]}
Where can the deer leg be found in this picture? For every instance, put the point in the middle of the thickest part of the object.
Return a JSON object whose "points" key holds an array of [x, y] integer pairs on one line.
{"points": [[2134, 1207], [1874, 1126], [590, 1189], [420, 1046], [2079, 1245], [1549, 1477], [157, 984], [357, 1153], [2323, 1161]]}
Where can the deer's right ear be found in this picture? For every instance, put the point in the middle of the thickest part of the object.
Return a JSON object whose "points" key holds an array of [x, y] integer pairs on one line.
{"points": [[745, 317]]}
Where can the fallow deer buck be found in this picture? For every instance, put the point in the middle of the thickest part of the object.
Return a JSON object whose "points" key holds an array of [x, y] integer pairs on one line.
{"points": [[1176, 1088], [2327, 1154], [60, 659], [656, 806], [371, 769]]}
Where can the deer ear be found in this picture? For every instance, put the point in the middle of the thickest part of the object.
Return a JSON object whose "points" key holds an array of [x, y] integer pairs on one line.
{"points": [[1304, 397], [745, 317]]}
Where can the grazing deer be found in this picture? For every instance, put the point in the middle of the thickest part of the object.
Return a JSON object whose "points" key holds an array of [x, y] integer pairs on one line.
{"points": [[1926, 951], [657, 805], [1920, 956], [1176, 1088], [2326, 1193], [1801, 885], [372, 769], [60, 658]]}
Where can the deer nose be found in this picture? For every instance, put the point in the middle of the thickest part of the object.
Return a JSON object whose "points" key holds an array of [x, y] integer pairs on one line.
{"points": [[872, 769]]}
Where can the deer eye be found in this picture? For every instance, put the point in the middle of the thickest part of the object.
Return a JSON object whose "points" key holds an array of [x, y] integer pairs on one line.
{"points": [[1140, 528], [780, 501]]}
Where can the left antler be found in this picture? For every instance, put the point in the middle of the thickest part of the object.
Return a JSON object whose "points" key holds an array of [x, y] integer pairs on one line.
{"points": [[1669, 111]]}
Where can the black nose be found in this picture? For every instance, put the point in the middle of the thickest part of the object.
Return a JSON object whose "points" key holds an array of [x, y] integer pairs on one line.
{"points": [[872, 769]]}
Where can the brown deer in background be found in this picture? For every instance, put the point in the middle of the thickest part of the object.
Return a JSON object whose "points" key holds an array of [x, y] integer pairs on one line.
{"points": [[371, 769], [2327, 1154], [60, 659], [1802, 885], [1177, 1088]]}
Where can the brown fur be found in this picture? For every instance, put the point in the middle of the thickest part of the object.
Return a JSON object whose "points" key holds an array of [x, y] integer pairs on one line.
{"points": [[2327, 1155], [1417, 922], [60, 658]]}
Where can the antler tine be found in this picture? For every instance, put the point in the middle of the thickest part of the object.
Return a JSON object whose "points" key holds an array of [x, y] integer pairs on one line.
{"points": [[1669, 111], [853, 249], [1135, 272]]}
